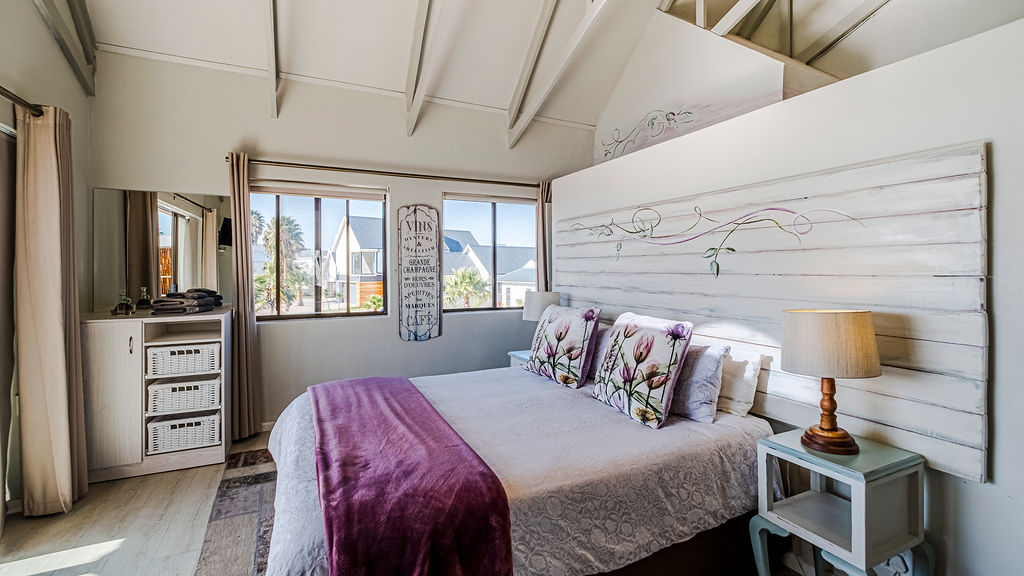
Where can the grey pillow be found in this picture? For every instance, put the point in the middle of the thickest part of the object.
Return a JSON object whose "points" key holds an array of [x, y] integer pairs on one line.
{"points": [[696, 394]]}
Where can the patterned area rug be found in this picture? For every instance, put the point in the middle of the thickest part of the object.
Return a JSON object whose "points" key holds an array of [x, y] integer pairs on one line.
{"points": [[238, 534]]}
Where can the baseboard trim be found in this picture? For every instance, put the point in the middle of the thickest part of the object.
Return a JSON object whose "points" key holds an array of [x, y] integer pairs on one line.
{"points": [[14, 507], [267, 426]]}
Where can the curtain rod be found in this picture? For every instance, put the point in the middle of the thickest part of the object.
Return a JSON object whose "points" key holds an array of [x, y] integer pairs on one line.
{"points": [[193, 202], [35, 109], [388, 173]]}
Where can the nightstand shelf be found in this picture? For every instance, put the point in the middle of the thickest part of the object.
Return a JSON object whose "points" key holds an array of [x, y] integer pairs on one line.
{"points": [[518, 357], [860, 510]]}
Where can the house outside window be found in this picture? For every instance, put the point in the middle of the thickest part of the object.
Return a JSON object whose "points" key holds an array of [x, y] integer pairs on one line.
{"points": [[489, 253]]}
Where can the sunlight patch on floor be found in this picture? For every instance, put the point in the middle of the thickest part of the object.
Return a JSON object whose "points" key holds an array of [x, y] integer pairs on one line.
{"points": [[62, 559]]}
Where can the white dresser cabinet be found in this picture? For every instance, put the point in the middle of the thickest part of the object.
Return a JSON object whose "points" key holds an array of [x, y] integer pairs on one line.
{"points": [[149, 406], [112, 369]]}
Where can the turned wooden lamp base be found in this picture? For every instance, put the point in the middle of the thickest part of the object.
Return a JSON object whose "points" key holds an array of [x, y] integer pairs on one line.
{"points": [[827, 437]]}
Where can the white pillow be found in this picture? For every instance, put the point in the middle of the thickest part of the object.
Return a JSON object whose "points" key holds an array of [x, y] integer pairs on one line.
{"points": [[739, 382]]}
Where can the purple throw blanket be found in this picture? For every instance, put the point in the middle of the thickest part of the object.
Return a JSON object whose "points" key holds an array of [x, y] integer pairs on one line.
{"points": [[401, 492]]}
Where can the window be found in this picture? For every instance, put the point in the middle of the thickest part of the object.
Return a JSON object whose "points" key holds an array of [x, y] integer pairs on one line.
{"points": [[168, 232], [317, 256], [490, 253]]}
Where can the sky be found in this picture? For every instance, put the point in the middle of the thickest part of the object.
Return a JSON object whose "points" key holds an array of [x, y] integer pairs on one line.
{"points": [[516, 222]]}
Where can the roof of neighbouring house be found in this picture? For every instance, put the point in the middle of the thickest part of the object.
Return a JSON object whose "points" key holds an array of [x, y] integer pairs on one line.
{"points": [[368, 232], [509, 257], [525, 274], [459, 240], [456, 261]]}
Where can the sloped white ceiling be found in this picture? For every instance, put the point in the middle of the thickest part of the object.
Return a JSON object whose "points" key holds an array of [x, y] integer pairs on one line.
{"points": [[478, 51]]}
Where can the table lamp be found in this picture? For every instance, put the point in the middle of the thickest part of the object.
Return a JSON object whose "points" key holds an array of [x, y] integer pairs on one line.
{"points": [[537, 302], [829, 344]]}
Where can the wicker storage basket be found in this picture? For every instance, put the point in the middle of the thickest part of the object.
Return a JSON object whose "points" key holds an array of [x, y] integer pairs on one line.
{"points": [[171, 433], [183, 359], [175, 395]]}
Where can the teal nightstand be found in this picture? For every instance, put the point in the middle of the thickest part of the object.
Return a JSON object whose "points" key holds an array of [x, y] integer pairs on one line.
{"points": [[518, 357], [859, 511]]}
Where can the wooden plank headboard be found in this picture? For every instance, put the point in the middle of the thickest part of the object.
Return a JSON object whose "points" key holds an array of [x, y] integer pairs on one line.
{"points": [[904, 237]]}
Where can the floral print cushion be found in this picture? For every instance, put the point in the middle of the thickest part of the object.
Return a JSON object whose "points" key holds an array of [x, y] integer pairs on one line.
{"points": [[563, 344], [640, 368]]}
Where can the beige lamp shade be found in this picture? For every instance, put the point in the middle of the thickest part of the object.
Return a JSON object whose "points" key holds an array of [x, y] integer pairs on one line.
{"points": [[830, 344], [537, 302]]}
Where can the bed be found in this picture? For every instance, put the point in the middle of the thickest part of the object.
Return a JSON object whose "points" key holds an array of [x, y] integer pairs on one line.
{"points": [[589, 490]]}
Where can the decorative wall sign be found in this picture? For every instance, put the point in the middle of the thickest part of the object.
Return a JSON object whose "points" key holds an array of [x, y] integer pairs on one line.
{"points": [[419, 271]]}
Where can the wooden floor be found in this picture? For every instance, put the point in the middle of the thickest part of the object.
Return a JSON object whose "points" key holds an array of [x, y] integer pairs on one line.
{"points": [[150, 525]]}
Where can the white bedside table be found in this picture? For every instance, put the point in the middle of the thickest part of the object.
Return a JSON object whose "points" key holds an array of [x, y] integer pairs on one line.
{"points": [[860, 510], [518, 357]]}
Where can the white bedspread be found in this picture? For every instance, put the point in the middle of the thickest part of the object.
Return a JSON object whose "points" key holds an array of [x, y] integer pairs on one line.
{"points": [[589, 489]]}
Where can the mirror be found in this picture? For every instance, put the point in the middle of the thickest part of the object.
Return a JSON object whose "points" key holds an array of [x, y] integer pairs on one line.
{"points": [[165, 241]]}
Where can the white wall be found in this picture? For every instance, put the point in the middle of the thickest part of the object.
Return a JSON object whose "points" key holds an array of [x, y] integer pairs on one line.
{"points": [[166, 126], [676, 67], [34, 68], [955, 94]]}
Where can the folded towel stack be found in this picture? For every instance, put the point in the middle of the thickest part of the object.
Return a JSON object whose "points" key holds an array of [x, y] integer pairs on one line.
{"points": [[192, 301]]}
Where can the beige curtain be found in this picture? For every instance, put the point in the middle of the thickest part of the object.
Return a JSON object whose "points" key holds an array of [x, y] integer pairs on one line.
{"points": [[208, 278], [245, 362], [46, 316], [544, 237], [7, 162], [142, 244]]}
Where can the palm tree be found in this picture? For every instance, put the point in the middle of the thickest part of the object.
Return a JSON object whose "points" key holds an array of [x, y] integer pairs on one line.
{"points": [[464, 285], [291, 244], [257, 224]]}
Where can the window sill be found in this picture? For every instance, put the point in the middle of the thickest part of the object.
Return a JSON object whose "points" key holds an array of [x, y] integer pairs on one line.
{"points": [[459, 310], [319, 316]]}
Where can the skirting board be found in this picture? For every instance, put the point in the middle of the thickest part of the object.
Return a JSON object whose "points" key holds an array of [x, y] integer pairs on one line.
{"points": [[905, 237]]}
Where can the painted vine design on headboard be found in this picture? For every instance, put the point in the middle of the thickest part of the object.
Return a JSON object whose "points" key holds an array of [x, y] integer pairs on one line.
{"points": [[652, 125], [645, 220]]}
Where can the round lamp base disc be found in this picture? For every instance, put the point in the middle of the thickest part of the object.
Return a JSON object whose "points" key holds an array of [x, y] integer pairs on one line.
{"points": [[836, 441]]}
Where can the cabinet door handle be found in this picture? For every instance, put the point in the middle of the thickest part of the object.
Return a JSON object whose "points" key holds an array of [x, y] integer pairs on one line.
{"points": [[131, 344]]}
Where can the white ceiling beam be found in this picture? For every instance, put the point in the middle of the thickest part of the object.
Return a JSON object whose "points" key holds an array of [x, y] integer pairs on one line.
{"points": [[841, 30], [540, 31], [755, 19], [593, 12], [421, 65], [272, 71], [83, 27], [786, 28], [71, 48], [702, 14], [419, 28], [738, 12], [666, 5]]}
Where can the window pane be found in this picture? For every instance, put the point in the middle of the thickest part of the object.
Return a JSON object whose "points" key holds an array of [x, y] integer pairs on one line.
{"points": [[298, 239], [516, 227], [165, 225], [334, 250], [263, 211], [366, 283], [468, 257]]}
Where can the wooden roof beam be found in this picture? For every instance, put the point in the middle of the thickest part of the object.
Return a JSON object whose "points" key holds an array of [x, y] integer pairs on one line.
{"points": [[827, 41], [540, 31], [272, 71], [733, 17], [755, 19], [585, 26], [83, 27], [421, 66], [72, 48]]}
